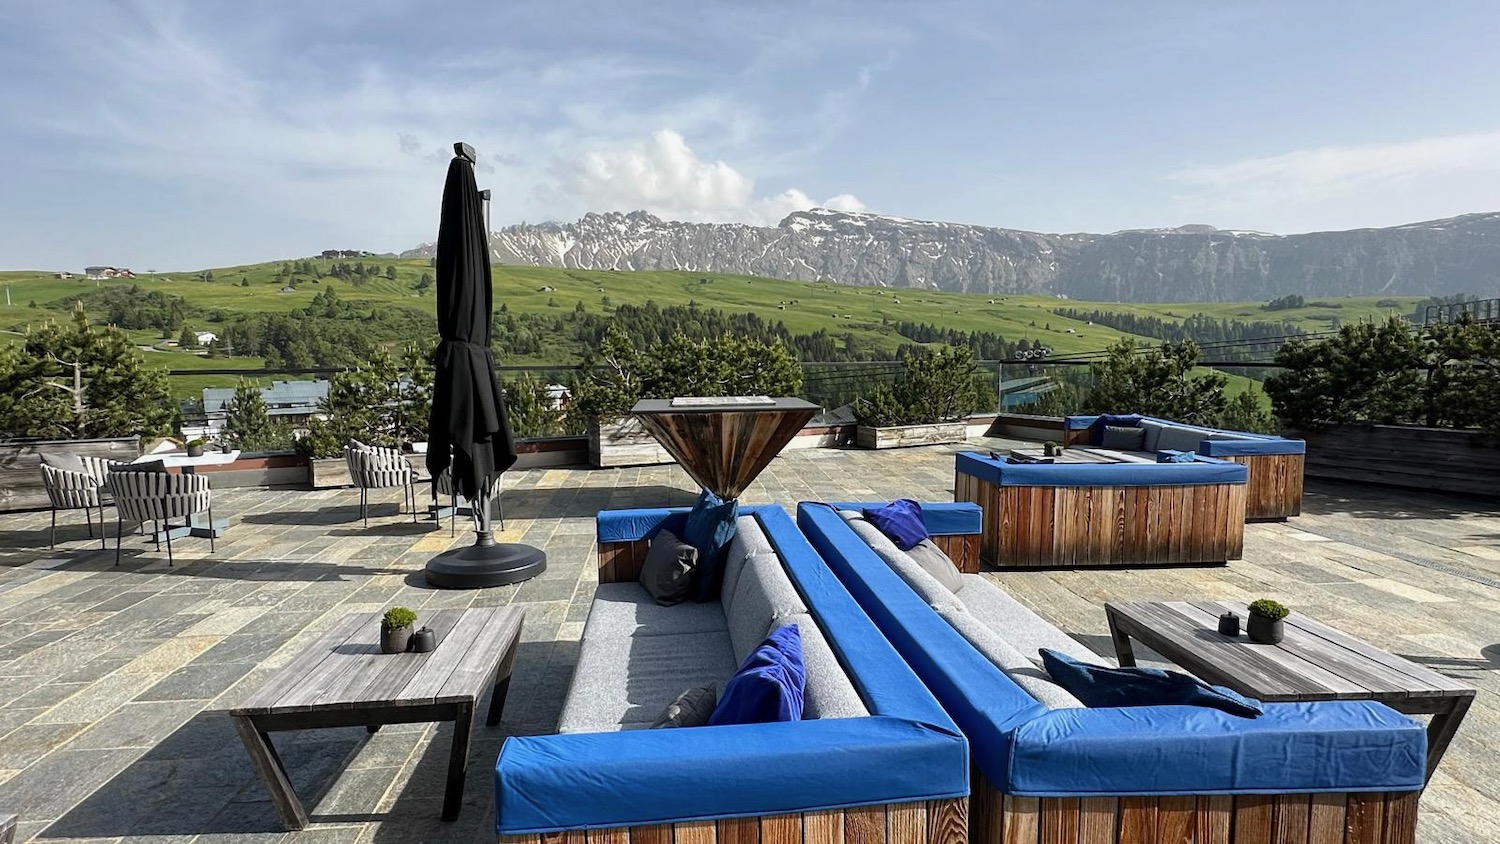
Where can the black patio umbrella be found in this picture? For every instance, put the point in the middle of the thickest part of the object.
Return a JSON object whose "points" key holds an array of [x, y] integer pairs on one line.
{"points": [[469, 418]]}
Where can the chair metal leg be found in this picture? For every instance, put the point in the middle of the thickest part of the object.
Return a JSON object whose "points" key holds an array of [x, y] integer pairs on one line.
{"points": [[169, 544], [88, 516], [157, 532], [364, 497], [453, 517], [102, 535], [211, 530], [53, 542], [119, 535], [411, 496]]}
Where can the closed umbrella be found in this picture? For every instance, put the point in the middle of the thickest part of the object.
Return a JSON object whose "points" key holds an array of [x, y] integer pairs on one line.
{"points": [[469, 432]]}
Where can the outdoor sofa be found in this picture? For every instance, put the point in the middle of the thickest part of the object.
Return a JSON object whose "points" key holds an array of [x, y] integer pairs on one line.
{"points": [[1047, 769], [1274, 490], [874, 754], [1050, 515]]}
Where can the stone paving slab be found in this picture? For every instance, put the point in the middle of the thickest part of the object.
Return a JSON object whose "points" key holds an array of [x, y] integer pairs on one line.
{"points": [[114, 681]]}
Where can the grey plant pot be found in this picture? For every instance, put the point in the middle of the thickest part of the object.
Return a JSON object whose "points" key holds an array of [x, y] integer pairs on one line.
{"points": [[1267, 631], [395, 641], [195, 451]]}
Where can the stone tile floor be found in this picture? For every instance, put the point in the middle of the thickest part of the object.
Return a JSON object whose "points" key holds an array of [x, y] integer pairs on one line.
{"points": [[114, 681]]}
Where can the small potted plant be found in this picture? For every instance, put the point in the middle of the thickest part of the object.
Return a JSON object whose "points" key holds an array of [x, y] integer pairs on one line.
{"points": [[1265, 622], [395, 629], [1049, 448], [195, 448]]}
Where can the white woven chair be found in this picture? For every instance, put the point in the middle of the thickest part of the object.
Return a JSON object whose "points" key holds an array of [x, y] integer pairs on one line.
{"points": [[373, 467], [160, 498], [68, 490]]}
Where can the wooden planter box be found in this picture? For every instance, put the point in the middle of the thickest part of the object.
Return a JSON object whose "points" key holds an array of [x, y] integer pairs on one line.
{"points": [[902, 436], [328, 472], [1455, 460], [625, 442], [20, 466]]}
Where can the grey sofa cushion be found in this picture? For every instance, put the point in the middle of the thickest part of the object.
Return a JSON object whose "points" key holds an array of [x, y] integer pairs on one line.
{"points": [[1023, 629], [65, 462], [928, 587], [1180, 438], [829, 692], [692, 708], [933, 561], [1033, 680], [668, 570], [748, 541], [628, 682], [1152, 436], [622, 610], [1122, 438], [762, 595]]}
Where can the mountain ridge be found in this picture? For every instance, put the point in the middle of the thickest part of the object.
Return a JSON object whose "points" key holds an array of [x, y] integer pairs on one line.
{"points": [[1194, 262]]}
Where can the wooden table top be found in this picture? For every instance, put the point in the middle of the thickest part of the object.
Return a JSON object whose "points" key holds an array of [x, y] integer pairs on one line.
{"points": [[1313, 662], [345, 669]]}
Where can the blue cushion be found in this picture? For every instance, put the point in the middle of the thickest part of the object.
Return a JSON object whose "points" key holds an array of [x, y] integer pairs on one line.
{"points": [[901, 520], [709, 528], [1097, 685], [1177, 457], [769, 685]]}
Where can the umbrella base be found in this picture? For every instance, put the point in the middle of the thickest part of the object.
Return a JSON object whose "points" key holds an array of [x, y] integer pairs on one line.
{"points": [[480, 566]]}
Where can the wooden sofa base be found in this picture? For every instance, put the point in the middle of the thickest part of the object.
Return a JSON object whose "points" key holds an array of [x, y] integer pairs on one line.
{"points": [[1353, 818], [1053, 527], [927, 822], [1274, 491], [622, 561]]}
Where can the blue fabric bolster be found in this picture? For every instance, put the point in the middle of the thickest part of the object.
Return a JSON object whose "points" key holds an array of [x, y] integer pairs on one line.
{"points": [[633, 777], [967, 684], [1100, 474], [1292, 747], [947, 518], [1227, 448], [631, 525]]}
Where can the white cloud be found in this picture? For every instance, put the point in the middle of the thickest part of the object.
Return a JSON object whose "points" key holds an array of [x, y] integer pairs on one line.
{"points": [[665, 176]]}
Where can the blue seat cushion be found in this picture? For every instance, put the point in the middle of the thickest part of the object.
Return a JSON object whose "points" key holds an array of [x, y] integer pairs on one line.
{"points": [[769, 686], [901, 520], [1100, 686], [710, 528]]}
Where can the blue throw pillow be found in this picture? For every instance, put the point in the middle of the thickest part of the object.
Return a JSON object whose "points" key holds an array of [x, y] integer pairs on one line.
{"points": [[769, 686], [901, 520], [1097, 685], [710, 527]]}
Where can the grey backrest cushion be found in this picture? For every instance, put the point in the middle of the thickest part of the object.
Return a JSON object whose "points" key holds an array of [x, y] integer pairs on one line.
{"points": [[1226, 435], [1152, 436], [1180, 438], [829, 693], [668, 570], [762, 595], [1019, 624], [1022, 671], [924, 584], [65, 462], [936, 563], [1122, 438], [748, 541], [146, 466]]}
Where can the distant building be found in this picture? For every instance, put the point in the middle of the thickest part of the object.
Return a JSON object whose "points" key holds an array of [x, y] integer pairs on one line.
{"points": [[62, 274], [98, 273], [293, 402], [206, 337], [558, 396]]}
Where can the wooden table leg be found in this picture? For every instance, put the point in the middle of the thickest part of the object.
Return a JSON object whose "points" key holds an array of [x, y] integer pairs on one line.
{"points": [[272, 773], [502, 683], [458, 761], [1124, 653], [1441, 730]]}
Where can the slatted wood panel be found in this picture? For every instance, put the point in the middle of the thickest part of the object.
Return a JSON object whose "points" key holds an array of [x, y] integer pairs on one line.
{"points": [[620, 562], [624, 442], [1274, 491], [962, 549], [20, 466], [724, 449], [1386, 818], [903, 436], [1443, 459], [928, 822], [1043, 527]]}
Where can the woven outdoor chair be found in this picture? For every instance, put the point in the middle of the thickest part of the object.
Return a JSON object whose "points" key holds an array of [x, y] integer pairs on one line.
{"points": [[373, 467], [70, 490], [160, 498]]}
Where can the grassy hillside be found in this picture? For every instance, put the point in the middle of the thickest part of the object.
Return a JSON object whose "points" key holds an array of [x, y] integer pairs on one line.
{"points": [[804, 307]]}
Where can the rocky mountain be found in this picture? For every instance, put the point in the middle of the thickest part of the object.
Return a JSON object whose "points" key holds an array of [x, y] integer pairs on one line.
{"points": [[1190, 263]]}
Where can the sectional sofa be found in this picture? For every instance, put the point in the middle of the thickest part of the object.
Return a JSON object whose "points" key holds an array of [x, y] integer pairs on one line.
{"points": [[1275, 464], [875, 755], [1047, 769]]}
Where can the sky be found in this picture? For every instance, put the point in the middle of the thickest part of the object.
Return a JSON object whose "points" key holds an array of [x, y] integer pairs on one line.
{"points": [[179, 135]]}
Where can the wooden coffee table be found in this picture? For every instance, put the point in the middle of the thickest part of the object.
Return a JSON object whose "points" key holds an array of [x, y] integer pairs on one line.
{"points": [[1314, 662], [343, 680]]}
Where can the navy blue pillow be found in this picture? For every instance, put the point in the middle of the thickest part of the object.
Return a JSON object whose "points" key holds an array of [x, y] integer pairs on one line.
{"points": [[901, 520], [710, 527], [1097, 685], [770, 684]]}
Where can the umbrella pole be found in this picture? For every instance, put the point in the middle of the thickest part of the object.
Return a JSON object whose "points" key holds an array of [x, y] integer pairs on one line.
{"points": [[486, 562]]}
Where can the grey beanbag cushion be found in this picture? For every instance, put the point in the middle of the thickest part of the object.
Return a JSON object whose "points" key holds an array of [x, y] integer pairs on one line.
{"points": [[932, 560], [668, 570], [64, 462], [691, 709], [1123, 438]]}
